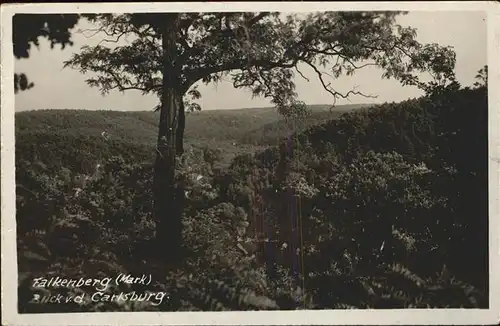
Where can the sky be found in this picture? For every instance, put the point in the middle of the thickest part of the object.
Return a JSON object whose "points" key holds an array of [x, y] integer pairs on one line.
{"points": [[58, 88]]}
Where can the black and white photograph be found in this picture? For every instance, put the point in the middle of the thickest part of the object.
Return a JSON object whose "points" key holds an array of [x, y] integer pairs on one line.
{"points": [[250, 163]]}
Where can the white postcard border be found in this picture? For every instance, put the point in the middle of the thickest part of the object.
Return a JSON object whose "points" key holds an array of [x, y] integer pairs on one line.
{"points": [[313, 317]]}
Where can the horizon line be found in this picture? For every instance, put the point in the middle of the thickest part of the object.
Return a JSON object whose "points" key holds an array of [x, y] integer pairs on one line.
{"points": [[233, 109]]}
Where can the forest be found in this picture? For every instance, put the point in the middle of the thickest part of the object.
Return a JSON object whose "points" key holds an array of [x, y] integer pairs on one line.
{"points": [[380, 202], [359, 207]]}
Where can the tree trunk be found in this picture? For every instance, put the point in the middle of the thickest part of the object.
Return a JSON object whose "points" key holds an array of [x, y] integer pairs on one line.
{"points": [[180, 129], [168, 198]]}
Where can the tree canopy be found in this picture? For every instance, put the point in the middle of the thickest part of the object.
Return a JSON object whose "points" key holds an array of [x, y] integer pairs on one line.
{"points": [[260, 51], [27, 30]]}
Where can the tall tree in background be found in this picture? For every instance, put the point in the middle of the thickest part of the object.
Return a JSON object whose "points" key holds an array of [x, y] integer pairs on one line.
{"points": [[481, 78], [28, 28], [171, 53]]}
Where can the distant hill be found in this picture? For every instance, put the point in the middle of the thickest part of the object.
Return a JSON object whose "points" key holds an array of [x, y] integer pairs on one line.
{"points": [[270, 132], [50, 133], [242, 125]]}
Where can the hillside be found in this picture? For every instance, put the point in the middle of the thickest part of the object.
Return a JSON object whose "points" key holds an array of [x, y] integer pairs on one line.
{"points": [[231, 131], [391, 213]]}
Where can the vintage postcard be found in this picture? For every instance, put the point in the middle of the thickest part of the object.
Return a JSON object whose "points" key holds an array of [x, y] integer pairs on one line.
{"points": [[250, 163]]}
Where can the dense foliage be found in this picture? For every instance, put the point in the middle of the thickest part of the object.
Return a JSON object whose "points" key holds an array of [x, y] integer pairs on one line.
{"points": [[379, 208]]}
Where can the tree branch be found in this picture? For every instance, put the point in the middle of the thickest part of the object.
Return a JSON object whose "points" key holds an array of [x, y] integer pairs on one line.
{"points": [[300, 73], [121, 87], [330, 90], [196, 75], [118, 31]]}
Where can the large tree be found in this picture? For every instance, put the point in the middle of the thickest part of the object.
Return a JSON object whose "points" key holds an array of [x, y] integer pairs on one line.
{"points": [[27, 29], [263, 51]]}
